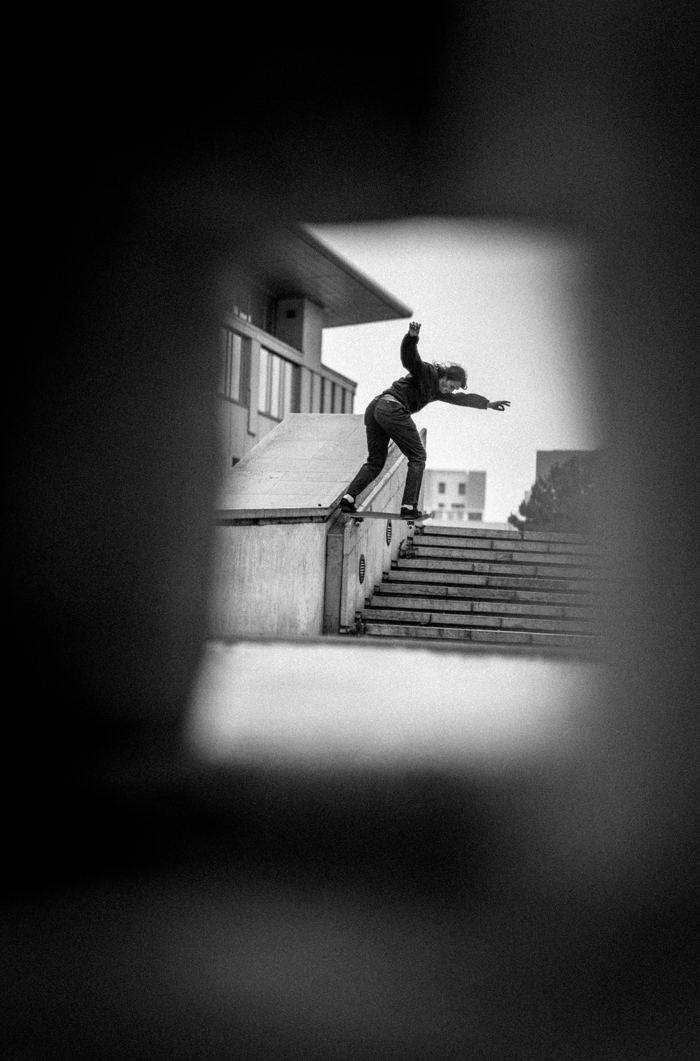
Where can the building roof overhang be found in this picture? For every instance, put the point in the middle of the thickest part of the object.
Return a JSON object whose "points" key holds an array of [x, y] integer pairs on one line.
{"points": [[295, 263]]}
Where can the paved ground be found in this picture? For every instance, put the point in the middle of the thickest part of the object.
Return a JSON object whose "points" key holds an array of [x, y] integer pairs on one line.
{"points": [[342, 699]]}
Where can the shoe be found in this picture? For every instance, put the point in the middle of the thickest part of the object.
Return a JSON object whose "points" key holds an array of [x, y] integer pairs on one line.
{"points": [[346, 505], [410, 512]]}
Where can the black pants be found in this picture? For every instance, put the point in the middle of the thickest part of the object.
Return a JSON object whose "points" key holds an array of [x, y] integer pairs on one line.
{"points": [[385, 420]]}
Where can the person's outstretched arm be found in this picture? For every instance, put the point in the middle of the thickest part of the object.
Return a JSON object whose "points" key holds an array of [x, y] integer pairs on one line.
{"points": [[410, 358], [475, 401]]}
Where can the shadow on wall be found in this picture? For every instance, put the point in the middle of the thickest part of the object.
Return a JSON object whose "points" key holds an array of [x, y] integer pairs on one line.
{"points": [[549, 114]]}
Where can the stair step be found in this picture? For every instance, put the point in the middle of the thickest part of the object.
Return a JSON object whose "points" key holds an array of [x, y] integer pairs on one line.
{"points": [[446, 530], [491, 587], [502, 556], [505, 622], [529, 570], [574, 549], [481, 607], [507, 535], [405, 575], [438, 592], [481, 636]]}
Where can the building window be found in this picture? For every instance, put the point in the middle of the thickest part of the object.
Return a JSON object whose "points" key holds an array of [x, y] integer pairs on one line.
{"points": [[462, 488], [234, 365], [441, 488], [252, 305], [475, 515], [325, 396], [314, 393], [327, 406], [277, 390]]}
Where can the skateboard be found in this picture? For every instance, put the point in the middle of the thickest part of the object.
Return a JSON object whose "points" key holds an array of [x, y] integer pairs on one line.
{"points": [[359, 516]]}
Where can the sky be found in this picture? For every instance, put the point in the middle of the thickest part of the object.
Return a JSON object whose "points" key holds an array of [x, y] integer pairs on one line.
{"points": [[504, 301]]}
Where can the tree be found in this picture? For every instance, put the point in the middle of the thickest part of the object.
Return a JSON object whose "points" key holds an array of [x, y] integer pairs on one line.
{"points": [[567, 499]]}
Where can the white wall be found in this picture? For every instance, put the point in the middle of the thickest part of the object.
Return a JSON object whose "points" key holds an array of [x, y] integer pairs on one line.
{"points": [[269, 580]]}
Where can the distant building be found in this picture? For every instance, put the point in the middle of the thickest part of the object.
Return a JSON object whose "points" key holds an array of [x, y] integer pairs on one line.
{"points": [[271, 336], [548, 458], [456, 496]]}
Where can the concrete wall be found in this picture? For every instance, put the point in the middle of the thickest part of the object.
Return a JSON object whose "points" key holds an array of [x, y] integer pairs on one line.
{"points": [[274, 577], [368, 540], [300, 325], [269, 580]]}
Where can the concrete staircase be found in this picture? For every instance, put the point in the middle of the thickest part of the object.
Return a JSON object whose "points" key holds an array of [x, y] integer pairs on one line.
{"points": [[492, 587]]}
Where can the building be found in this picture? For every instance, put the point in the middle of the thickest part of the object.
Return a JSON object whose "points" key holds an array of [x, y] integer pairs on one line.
{"points": [[271, 336], [548, 458], [458, 496]]}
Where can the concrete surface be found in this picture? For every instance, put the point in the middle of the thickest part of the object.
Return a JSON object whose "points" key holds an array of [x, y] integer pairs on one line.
{"points": [[343, 701], [304, 463], [269, 580]]}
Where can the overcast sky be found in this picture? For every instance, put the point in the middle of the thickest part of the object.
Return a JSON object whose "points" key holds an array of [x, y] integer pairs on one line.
{"points": [[504, 303]]}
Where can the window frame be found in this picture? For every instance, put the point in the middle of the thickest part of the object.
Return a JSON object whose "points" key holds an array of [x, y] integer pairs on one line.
{"points": [[227, 366], [277, 384]]}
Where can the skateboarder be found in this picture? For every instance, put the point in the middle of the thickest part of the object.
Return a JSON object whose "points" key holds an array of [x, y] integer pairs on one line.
{"points": [[388, 416]]}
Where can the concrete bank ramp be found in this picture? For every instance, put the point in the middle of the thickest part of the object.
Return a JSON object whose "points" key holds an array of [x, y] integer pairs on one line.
{"points": [[273, 516], [301, 468]]}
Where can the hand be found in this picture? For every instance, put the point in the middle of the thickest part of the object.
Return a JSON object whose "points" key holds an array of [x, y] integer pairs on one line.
{"points": [[413, 328], [499, 406]]}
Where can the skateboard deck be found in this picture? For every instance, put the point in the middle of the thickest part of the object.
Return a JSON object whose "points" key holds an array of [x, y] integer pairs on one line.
{"points": [[387, 515]]}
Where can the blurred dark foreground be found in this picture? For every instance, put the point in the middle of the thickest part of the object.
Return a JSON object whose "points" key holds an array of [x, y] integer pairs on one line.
{"points": [[159, 905]]}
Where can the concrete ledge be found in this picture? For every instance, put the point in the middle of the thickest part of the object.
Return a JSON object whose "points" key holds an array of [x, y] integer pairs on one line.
{"points": [[273, 515]]}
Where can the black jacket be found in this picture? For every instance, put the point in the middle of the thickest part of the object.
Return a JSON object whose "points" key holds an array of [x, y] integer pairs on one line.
{"points": [[420, 386]]}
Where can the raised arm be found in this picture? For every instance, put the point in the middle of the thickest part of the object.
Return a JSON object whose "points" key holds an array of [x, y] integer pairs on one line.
{"points": [[475, 401], [410, 358]]}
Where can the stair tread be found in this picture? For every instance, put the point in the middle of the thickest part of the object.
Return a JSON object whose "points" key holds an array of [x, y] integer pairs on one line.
{"points": [[508, 535], [429, 563], [506, 607], [459, 580], [494, 636], [512, 622], [426, 538], [510, 556], [438, 591]]}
